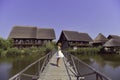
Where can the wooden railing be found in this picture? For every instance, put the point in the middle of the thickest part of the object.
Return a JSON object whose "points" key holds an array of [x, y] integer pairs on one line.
{"points": [[83, 71], [38, 66]]}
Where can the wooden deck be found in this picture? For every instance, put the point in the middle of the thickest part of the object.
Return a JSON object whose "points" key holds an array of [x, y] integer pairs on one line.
{"points": [[53, 72]]}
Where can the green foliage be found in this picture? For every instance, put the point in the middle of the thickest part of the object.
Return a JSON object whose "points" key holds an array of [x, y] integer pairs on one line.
{"points": [[50, 46], [5, 44], [7, 49], [25, 51], [3, 53], [2, 43], [9, 43], [1, 50], [13, 52], [90, 50]]}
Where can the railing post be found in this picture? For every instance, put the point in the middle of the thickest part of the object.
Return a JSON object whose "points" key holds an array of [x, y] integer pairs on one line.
{"points": [[38, 67], [44, 60], [96, 76], [75, 62], [18, 78], [75, 68]]}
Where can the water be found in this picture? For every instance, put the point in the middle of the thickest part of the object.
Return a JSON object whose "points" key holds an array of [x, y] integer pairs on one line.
{"points": [[107, 69], [11, 66], [5, 70], [106, 64]]}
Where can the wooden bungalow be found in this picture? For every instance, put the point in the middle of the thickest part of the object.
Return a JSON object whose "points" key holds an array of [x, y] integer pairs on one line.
{"points": [[113, 37], [99, 40], [113, 45], [31, 36], [74, 39]]}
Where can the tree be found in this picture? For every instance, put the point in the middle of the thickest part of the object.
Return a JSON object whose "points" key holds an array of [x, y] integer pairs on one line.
{"points": [[5, 44]]}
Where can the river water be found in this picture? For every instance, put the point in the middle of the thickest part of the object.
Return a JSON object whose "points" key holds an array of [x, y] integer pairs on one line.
{"points": [[107, 64], [13, 65]]}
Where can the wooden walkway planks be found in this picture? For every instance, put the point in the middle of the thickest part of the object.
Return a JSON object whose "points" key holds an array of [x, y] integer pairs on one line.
{"points": [[53, 72]]}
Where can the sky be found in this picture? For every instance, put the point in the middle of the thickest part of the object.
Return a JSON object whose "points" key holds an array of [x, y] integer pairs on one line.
{"points": [[89, 16]]}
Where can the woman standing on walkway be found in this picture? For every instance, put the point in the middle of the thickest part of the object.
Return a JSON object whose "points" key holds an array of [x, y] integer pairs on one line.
{"points": [[59, 54]]}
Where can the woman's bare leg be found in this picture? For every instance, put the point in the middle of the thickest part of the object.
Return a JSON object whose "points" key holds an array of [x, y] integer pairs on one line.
{"points": [[58, 59]]}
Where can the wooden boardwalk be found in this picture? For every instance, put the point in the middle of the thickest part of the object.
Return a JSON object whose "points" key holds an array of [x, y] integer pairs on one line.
{"points": [[53, 72], [50, 71]]}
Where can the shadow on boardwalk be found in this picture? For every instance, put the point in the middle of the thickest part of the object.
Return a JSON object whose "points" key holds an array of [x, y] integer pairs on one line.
{"points": [[53, 64]]}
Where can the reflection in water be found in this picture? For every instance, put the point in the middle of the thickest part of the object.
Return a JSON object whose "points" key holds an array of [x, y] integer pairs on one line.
{"points": [[107, 64], [11, 66], [108, 70], [4, 70]]}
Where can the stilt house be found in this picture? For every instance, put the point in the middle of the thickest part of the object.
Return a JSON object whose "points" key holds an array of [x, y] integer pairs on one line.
{"points": [[74, 39], [31, 36], [99, 40], [113, 37], [112, 46]]}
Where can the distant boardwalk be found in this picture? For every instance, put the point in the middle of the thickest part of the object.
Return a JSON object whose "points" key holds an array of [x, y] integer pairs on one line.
{"points": [[53, 72]]}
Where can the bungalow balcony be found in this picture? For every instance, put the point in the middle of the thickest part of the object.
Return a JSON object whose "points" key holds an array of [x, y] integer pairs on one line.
{"points": [[79, 45], [27, 43]]}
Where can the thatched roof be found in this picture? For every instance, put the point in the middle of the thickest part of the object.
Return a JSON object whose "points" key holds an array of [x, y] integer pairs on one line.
{"points": [[43, 33], [32, 32], [112, 43], [76, 36], [113, 37], [23, 32], [100, 38], [85, 37]]}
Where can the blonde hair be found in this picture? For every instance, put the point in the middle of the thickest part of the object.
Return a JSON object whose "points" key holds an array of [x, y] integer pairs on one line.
{"points": [[59, 44]]}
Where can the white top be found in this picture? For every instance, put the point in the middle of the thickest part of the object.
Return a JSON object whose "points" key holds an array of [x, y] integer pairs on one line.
{"points": [[59, 53]]}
